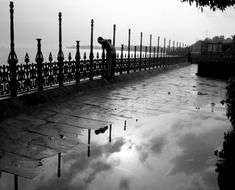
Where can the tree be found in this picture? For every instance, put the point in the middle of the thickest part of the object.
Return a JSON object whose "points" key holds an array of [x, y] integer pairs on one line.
{"points": [[213, 4]]}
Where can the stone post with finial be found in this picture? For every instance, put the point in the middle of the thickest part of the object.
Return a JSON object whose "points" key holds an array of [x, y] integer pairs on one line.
{"points": [[60, 56], [77, 58], [158, 41], [150, 51], [91, 51], [140, 63], [12, 58], [128, 53], [114, 34]]}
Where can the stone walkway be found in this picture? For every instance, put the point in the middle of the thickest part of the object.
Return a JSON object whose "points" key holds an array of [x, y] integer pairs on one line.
{"points": [[27, 139]]}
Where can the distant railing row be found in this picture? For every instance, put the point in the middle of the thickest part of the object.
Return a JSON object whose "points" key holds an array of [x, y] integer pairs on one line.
{"points": [[29, 77]]}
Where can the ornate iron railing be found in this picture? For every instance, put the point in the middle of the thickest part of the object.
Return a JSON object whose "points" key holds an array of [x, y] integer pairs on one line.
{"points": [[29, 76]]}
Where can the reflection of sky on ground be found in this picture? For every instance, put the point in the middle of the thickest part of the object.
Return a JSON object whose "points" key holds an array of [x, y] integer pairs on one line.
{"points": [[170, 151], [170, 147]]}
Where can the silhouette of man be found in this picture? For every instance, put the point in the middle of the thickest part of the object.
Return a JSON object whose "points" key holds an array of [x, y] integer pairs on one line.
{"points": [[110, 56]]}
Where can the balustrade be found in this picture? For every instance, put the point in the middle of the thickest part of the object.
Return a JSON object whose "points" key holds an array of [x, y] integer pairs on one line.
{"points": [[29, 76]]}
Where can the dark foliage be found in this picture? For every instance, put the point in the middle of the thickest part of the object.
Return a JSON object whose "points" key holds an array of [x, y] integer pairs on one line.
{"points": [[230, 101], [226, 163], [225, 166], [213, 4]]}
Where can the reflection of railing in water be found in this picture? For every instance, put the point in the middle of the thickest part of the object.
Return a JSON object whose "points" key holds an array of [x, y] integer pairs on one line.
{"points": [[60, 156], [23, 78]]}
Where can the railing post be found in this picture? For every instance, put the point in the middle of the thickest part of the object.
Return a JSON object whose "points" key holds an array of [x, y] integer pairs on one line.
{"points": [[135, 59], [39, 60], [169, 50], [158, 41], [186, 52], [177, 52], [150, 48], [114, 34], [128, 54], [77, 58], [103, 63], [140, 63], [185, 49], [164, 51], [145, 58], [173, 50], [91, 51], [121, 63], [154, 58], [12, 58], [180, 48], [60, 56]]}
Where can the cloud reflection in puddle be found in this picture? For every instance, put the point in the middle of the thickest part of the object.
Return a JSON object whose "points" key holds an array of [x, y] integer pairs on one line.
{"points": [[187, 141], [79, 172], [170, 151]]}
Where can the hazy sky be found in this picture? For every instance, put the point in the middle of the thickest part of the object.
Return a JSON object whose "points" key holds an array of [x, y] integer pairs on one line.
{"points": [[166, 18]]}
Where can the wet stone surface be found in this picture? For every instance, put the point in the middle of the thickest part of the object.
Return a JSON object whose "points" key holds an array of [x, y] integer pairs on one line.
{"points": [[164, 130]]}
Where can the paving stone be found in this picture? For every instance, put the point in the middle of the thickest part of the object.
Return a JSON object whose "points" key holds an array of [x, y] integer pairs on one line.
{"points": [[77, 121]]}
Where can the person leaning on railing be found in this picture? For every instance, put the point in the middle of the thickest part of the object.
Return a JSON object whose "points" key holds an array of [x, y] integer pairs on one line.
{"points": [[110, 56]]}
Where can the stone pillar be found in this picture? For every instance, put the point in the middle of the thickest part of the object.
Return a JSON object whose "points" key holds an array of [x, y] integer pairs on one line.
{"points": [[77, 58], [150, 49], [60, 56], [114, 34], [141, 38], [12, 58], [128, 54], [91, 51]]}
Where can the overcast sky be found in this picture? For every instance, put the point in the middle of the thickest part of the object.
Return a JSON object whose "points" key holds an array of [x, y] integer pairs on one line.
{"points": [[166, 18]]}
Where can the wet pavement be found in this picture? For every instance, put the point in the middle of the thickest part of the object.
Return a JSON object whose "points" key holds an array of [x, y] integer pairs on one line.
{"points": [[164, 130]]}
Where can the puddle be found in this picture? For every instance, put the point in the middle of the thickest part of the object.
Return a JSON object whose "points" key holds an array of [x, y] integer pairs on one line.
{"points": [[167, 141], [170, 151]]}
